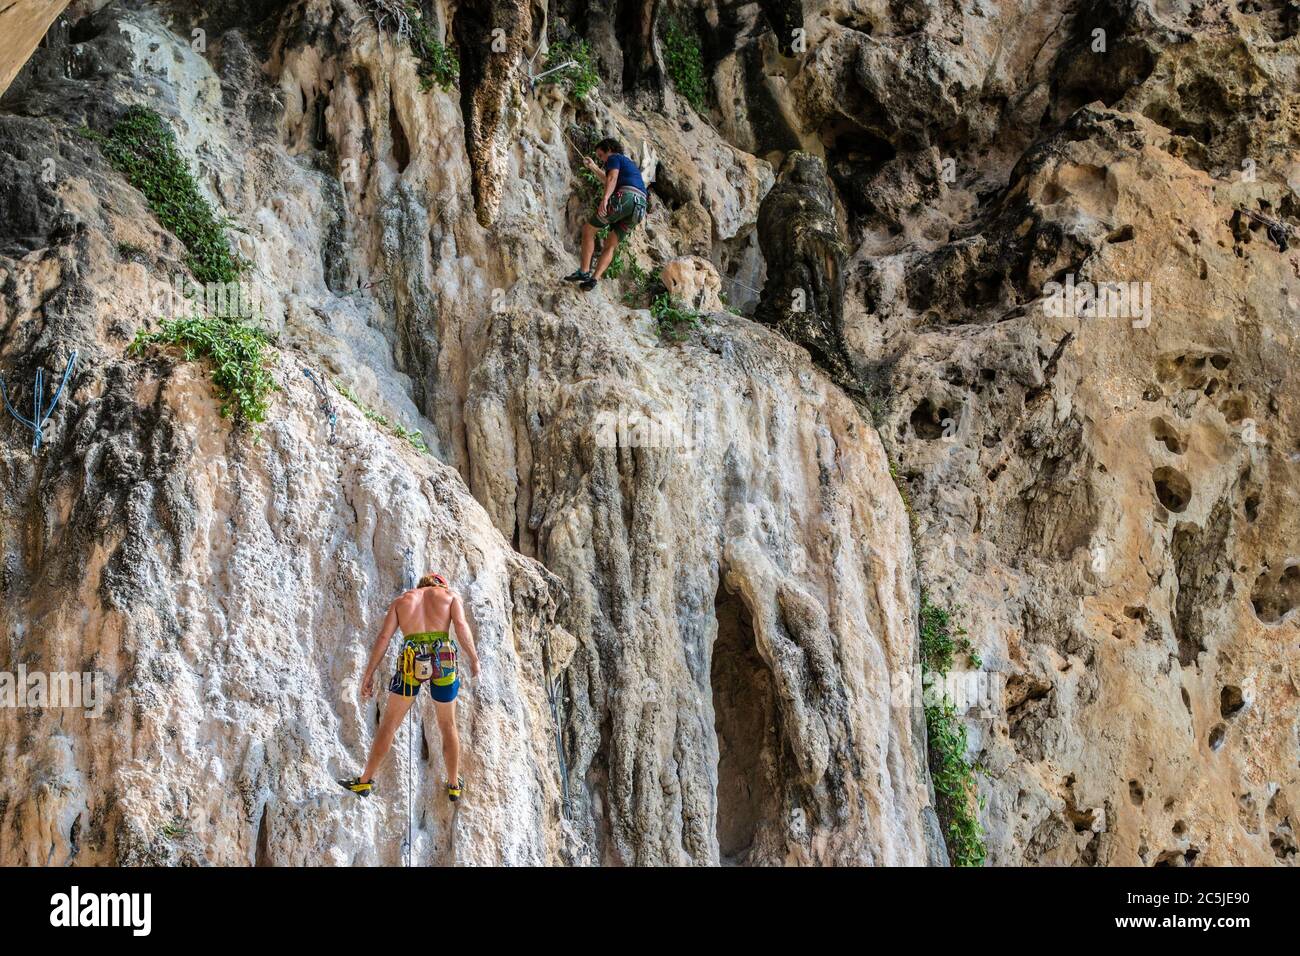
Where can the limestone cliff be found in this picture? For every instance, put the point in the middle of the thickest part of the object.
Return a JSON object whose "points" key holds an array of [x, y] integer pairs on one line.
{"points": [[699, 536]]}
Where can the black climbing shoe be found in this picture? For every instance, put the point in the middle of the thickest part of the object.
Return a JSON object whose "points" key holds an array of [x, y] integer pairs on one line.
{"points": [[453, 793], [578, 276], [587, 284], [356, 786]]}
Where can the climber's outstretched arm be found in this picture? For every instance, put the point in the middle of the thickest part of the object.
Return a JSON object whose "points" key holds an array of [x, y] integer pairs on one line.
{"points": [[380, 646], [464, 636]]}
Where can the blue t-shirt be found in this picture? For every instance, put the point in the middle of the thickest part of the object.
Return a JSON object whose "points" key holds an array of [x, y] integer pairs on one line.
{"points": [[628, 174]]}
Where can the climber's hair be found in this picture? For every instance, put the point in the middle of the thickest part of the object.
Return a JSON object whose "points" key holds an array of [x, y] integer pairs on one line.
{"points": [[610, 145], [433, 581]]}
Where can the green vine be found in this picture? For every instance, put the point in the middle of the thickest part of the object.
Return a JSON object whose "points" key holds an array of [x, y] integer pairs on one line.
{"points": [[954, 778], [684, 60], [143, 148], [234, 350]]}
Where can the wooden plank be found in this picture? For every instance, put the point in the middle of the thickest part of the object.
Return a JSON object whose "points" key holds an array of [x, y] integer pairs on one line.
{"points": [[22, 24]]}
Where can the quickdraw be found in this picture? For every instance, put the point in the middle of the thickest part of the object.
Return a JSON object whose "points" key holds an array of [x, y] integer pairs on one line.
{"points": [[1278, 231], [40, 413], [326, 405], [554, 692]]}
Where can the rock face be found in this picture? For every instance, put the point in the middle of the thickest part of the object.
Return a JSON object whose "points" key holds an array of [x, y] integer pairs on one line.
{"points": [[699, 542], [739, 587], [1107, 492], [733, 684]]}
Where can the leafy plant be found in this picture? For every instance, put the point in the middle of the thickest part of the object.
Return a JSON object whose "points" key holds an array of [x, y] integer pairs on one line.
{"points": [[684, 60], [234, 350], [581, 78], [176, 828], [590, 187], [143, 148], [673, 323], [941, 637], [413, 438], [439, 66], [954, 777]]}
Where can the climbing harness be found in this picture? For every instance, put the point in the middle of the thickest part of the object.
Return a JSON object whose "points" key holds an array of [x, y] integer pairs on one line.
{"points": [[426, 660], [554, 689], [326, 405], [41, 414]]}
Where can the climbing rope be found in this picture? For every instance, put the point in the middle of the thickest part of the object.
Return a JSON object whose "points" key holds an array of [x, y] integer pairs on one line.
{"points": [[741, 284], [40, 415], [409, 843], [326, 405]]}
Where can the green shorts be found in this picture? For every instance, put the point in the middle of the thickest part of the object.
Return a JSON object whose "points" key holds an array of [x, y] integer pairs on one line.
{"points": [[626, 209]]}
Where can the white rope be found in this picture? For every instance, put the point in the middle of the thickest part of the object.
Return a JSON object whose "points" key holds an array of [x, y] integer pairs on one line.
{"points": [[408, 848], [410, 784]]}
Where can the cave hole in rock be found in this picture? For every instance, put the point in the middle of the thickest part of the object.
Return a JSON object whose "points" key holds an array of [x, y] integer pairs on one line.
{"points": [[1135, 793], [1122, 234], [853, 158], [632, 25], [1167, 435], [746, 721], [929, 421], [1276, 596], [85, 29], [320, 131], [424, 745], [1217, 735], [1231, 701], [263, 851], [401, 145], [1172, 488]]}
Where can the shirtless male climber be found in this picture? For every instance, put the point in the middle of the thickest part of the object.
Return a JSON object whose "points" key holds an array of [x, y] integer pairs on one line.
{"points": [[622, 205], [429, 656]]}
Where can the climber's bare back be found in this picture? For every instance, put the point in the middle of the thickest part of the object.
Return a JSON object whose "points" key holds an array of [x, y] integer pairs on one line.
{"points": [[425, 609]]}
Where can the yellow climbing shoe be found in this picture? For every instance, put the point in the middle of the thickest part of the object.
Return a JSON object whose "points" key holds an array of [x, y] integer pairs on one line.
{"points": [[355, 785], [453, 790]]}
